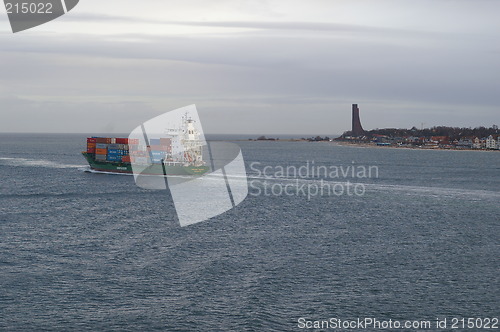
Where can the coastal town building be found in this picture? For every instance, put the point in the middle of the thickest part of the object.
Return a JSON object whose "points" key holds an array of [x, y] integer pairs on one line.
{"points": [[477, 143], [492, 142], [465, 142]]}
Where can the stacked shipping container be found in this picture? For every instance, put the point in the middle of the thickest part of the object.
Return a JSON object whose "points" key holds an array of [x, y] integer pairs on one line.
{"points": [[127, 150], [101, 151], [91, 142]]}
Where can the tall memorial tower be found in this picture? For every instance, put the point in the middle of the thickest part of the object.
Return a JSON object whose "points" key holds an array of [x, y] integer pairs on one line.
{"points": [[357, 129]]}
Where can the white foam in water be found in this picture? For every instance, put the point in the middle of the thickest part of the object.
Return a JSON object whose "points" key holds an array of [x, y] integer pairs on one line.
{"points": [[25, 162], [415, 190], [90, 170]]}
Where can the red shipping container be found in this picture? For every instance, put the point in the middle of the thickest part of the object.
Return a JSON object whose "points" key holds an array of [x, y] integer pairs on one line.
{"points": [[104, 140], [166, 141], [126, 159], [134, 141], [122, 141], [90, 150], [91, 140]]}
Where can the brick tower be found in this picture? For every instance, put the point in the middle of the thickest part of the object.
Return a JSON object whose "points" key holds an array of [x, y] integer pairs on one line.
{"points": [[357, 129]]}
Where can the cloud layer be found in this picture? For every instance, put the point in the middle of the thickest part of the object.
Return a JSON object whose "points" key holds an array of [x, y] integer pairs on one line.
{"points": [[271, 69]]}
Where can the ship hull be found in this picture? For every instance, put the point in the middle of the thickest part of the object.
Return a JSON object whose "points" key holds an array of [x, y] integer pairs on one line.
{"points": [[155, 169]]}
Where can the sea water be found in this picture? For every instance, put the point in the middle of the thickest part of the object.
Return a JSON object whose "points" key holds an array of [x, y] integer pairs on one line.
{"points": [[84, 251]]}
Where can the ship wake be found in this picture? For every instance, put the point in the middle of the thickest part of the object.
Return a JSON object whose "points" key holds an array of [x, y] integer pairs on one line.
{"points": [[26, 162]]}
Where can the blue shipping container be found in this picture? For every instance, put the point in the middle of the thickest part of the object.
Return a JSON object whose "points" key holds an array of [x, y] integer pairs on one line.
{"points": [[158, 153], [114, 158]]}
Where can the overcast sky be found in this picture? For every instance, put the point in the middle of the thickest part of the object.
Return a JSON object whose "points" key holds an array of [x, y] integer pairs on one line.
{"points": [[254, 66]]}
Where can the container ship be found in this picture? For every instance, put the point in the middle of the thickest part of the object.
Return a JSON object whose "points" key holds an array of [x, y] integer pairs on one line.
{"points": [[177, 154]]}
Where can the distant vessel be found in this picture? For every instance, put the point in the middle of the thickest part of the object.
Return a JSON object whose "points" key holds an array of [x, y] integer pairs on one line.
{"points": [[177, 153]]}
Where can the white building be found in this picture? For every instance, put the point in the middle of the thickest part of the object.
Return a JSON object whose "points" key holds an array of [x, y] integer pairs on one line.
{"points": [[492, 143]]}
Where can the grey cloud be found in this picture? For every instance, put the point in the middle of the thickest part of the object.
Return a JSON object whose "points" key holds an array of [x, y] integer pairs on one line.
{"points": [[258, 66], [306, 73], [34, 115], [269, 25]]}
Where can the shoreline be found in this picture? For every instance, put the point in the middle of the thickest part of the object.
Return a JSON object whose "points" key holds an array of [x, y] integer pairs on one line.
{"points": [[363, 145], [369, 145]]}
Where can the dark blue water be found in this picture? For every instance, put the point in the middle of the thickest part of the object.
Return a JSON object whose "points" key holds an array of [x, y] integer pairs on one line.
{"points": [[83, 251]]}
